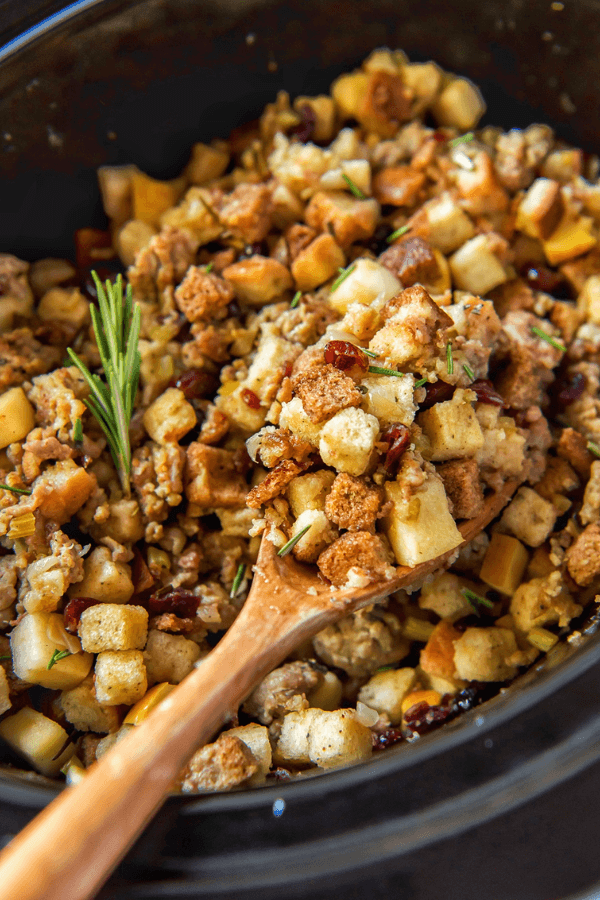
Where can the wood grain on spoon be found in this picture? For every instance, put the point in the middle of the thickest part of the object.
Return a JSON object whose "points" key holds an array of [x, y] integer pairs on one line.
{"points": [[71, 848]]}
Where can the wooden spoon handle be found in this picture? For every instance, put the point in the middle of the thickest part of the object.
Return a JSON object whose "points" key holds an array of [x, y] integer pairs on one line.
{"points": [[71, 847]]}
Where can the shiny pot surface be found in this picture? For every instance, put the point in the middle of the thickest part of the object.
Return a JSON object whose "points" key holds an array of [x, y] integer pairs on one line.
{"points": [[502, 803]]}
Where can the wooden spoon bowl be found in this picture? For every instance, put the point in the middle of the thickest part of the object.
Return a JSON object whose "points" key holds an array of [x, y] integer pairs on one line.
{"points": [[71, 847]]}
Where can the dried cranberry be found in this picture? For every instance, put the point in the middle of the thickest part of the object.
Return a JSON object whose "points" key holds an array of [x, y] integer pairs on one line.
{"points": [[487, 393], [541, 278], [344, 355], [436, 392], [73, 610], [439, 137], [183, 604], [398, 438], [386, 739], [195, 383], [250, 399], [421, 717], [568, 389], [305, 129]]}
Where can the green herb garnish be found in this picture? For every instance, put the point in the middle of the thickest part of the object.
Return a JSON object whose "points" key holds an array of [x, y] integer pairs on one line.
{"points": [[15, 490], [469, 371], [369, 353], [354, 188], [420, 383], [6, 656], [462, 139], [208, 268], [548, 338], [56, 656], [593, 448], [381, 370], [117, 329], [296, 300], [449, 359], [292, 542], [476, 599], [78, 431], [397, 233], [342, 276], [384, 669], [239, 577]]}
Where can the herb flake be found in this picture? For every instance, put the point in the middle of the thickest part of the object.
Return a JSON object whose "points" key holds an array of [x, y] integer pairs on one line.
{"points": [[381, 370], [420, 383], [462, 139], [239, 577], [469, 372], [397, 234], [369, 353], [548, 338], [56, 656], [209, 267], [15, 490], [593, 448], [296, 300], [353, 188], [292, 542], [449, 358], [342, 276], [78, 431], [476, 599]]}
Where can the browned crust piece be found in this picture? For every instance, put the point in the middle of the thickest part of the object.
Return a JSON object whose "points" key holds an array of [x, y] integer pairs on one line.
{"points": [[352, 504], [248, 210], [213, 479], [277, 479], [283, 690], [572, 446], [219, 766], [410, 261], [359, 549], [463, 487], [324, 391], [162, 263], [202, 295], [583, 556]]}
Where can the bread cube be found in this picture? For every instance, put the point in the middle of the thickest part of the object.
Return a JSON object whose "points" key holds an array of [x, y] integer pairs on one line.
{"points": [[543, 601], [32, 649], [326, 739], [444, 223], [16, 416], [120, 677], [385, 692], [82, 709], [151, 198], [169, 657], [320, 534], [541, 209], [207, 162], [484, 654], [503, 447], [309, 491], [414, 329], [292, 416], [170, 417], [256, 739], [459, 105], [348, 439], [132, 237], [292, 744], [113, 626], [452, 427], [323, 109], [194, 214], [421, 528], [104, 579], [115, 184], [369, 284], [258, 280], [317, 263], [476, 268], [504, 563], [64, 305], [445, 596], [588, 300], [529, 517], [390, 399], [67, 486], [37, 739], [349, 218], [232, 403], [5, 702], [425, 81]]}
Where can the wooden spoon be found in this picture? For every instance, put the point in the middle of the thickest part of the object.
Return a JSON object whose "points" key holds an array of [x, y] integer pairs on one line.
{"points": [[73, 845]]}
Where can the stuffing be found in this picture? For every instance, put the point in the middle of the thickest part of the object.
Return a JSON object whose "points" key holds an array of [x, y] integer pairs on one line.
{"points": [[414, 331], [352, 504], [362, 642], [412, 260], [169, 657], [203, 296], [212, 477], [347, 218], [463, 486], [529, 517], [282, 691], [543, 601], [221, 766], [324, 391], [347, 440]]}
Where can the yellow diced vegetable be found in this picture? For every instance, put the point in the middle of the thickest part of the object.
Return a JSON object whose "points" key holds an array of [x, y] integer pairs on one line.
{"points": [[417, 629], [543, 639], [504, 563], [144, 707], [432, 698], [16, 416], [22, 526], [571, 238], [151, 198]]}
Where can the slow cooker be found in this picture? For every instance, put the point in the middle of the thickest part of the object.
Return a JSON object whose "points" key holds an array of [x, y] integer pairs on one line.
{"points": [[501, 804]]}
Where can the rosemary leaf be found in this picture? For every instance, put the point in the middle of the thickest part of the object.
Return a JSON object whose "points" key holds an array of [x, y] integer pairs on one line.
{"points": [[370, 353], [292, 542], [462, 139], [548, 338], [209, 267], [239, 577], [396, 234], [6, 656], [469, 371], [56, 656], [420, 383], [449, 358], [592, 447], [296, 300], [381, 370], [354, 188], [78, 431], [15, 490], [474, 598], [116, 324], [342, 276]]}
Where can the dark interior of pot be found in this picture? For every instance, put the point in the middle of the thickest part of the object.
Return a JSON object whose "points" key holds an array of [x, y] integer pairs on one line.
{"points": [[477, 805]]}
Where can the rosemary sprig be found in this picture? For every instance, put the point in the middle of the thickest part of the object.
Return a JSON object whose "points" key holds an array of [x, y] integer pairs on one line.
{"points": [[353, 188], [462, 139], [117, 329], [548, 338], [15, 490], [208, 268], [449, 358], [381, 370], [56, 656], [239, 577], [78, 431], [592, 447], [476, 599], [469, 371], [419, 383], [397, 233], [370, 353], [296, 300], [342, 276], [292, 542]]}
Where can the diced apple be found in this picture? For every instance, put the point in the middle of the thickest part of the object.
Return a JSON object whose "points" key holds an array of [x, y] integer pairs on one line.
{"points": [[37, 739], [32, 651], [421, 528], [16, 416]]}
